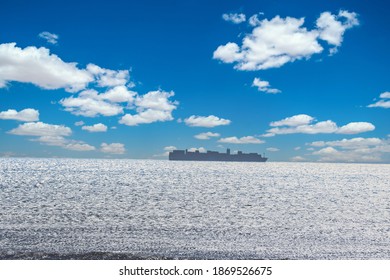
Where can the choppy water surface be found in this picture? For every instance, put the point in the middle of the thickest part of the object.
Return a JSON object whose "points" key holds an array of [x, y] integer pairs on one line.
{"points": [[195, 210]]}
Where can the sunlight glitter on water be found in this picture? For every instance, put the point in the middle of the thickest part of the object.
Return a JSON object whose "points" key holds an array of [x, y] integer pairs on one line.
{"points": [[201, 210]]}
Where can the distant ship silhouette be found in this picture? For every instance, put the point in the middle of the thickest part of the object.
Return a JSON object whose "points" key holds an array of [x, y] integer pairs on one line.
{"points": [[215, 156]]}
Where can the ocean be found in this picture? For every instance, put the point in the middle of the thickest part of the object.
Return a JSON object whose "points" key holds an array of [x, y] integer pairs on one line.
{"points": [[158, 209]]}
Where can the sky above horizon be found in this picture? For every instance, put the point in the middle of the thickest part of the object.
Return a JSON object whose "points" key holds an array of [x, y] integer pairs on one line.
{"points": [[296, 80]]}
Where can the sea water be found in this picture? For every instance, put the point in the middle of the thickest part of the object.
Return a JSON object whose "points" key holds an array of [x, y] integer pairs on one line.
{"points": [[194, 210]]}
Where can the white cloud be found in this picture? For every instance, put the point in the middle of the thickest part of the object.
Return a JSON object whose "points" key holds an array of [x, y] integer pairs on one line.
{"points": [[385, 95], [228, 53], [332, 27], [52, 140], [49, 37], [99, 127], [206, 135], [278, 41], [303, 124], [108, 78], [254, 20], [157, 100], [166, 151], [296, 120], [41, 129], [79, 123], [118, 94], [271, 149], [297, 158], [26, 115], [264, 86], [169, 148], [145, 117], [79, 147], [64, 143], [352, 150], [201, 150], [234, 18], [356, 127], [242, 140], [113, 148], [381, 103], [353, 143], [384, 102], [330, 154], [39, 67], [51, 135], [90, 104], [154, 106], [210, 121]]}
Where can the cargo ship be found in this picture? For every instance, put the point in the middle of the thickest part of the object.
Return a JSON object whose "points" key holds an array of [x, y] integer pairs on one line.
{"points": [[215, 156]]}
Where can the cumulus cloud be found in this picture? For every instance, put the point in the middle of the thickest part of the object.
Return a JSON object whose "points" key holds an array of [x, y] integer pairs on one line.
{"points": [[234, 18], [170, 148], [90, 104], [200, 149], [384, 101], [304, 124], [48, 71], [206, 135], [79, 123], [271, 149], [81, 147], [155, 106], [356, 127], [209, 121], [51, 135], [254, 20], [297, 159], [264, 86], [26, 115], [296, 120], [108, 78], [167, 149], [278, 41], [99, 127], [145, 117], [157, 100], [52, 140], [332, 27], [51, 38], [330, 154], [353, 143], [39, 67], [352, 150], [242, 140], [228, 53], [119, 94], [385, 95], [41, 129], [113, 148]]}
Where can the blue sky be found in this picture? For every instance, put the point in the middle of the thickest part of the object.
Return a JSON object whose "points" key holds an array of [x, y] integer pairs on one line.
{"points": [[297, 80]]}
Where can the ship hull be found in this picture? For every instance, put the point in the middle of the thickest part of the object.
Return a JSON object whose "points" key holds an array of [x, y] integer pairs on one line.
{"points": [[232, 160], [181, 155]]}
